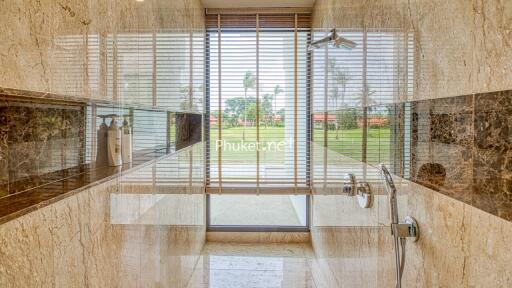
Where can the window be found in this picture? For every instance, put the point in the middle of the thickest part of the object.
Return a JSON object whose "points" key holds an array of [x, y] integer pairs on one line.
{"points": [[258, 101], [257, 127]]}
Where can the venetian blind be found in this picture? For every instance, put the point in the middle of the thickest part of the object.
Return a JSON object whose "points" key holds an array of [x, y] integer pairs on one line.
{"points": [[258, 101]]}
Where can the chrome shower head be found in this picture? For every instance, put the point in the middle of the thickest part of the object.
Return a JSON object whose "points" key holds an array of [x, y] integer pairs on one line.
{"points": [[391, 189], [388, 180], [334, 39]]}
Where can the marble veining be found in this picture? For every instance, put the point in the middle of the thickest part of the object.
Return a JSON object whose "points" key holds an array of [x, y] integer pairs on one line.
{"points": [[65, 47], [39, 142], [492, 169], [18, 204], [74, 243], [48, 147], [458, 146]]}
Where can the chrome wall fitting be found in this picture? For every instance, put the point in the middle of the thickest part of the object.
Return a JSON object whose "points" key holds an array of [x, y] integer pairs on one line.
{"points": [[364, 195], [414, 229], [401, 231], [349, 184]]}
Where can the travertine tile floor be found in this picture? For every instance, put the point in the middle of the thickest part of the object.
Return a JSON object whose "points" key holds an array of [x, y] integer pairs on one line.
{"points": [[228, 265]]}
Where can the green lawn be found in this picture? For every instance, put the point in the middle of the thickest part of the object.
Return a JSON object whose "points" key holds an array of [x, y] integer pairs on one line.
{"points": [[347, 143]]}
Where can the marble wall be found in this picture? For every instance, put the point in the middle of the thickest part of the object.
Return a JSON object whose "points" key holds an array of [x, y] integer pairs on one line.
{"points": [[459, 246], [443, 123], [105, 53], [461, 47], [45, 141], [38, 142], [77, 242], [106, 50], [139, 59]]}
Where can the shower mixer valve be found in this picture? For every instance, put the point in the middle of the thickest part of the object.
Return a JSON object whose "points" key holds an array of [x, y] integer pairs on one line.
{"points": [[361, 190], [406, 229], [349, 184]]}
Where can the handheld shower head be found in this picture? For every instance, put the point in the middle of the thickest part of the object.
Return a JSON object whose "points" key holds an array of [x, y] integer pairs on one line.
{"points": [[388, 180], [391, 189], [400, 230]]}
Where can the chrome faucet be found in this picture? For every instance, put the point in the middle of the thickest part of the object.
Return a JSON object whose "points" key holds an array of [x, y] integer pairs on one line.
{"points": [[400, 230]]}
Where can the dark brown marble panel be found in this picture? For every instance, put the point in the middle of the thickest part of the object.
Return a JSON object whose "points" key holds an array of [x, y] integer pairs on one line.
{"points": [[18, 204], [39, 141], [460, 146], [47, 147], [441, 143], [493, 154]]}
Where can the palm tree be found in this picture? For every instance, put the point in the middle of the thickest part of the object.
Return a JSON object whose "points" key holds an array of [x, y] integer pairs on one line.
{"points": [[341, 78], [277, 90], [365, 99], [248, 83]]}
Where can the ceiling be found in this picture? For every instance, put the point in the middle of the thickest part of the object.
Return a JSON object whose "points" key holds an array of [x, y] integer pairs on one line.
{"points": [[257, 3]]}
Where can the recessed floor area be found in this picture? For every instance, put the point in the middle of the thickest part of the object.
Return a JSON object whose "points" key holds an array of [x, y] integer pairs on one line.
{"points": [[226, 265], [266, 210]]}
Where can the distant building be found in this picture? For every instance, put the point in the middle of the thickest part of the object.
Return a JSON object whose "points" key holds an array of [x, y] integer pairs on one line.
{"points": [[319, 119], [213, 120]]}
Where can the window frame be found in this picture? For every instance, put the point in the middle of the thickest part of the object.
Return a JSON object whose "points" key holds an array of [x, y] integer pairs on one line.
{"points": [[206, 126]]}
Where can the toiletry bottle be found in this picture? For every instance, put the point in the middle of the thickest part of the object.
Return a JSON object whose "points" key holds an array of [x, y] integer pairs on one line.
{"points": [[114, 143], [102, 143], [126, 144]]}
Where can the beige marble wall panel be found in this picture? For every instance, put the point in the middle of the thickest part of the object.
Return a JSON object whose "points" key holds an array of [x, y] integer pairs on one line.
{"points": [[387, 14], [350, 254], [343, 211], [73, 243], [23, 30], [332, 13], [437, 258], [493, 45], [360, 14], [59, 46], [68, 246], [443, 49], [27, 252], [461, 47], [459, 245], [488, 238]]}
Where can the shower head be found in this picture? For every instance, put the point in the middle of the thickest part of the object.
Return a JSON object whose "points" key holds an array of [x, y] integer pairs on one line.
{"points": [[388, 180], [334, 39]]}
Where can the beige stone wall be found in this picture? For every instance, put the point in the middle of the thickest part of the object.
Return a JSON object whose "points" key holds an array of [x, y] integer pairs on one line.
{"points": [[459, 246], [37, 53], [461, 47], [78, 242]]}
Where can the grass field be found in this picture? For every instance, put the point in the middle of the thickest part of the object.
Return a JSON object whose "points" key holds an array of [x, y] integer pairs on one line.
{"points": [[348, 143]]}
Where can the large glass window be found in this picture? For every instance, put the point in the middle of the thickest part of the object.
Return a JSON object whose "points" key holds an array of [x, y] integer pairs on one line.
{"points": [[257, 89], [258, 113]]}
